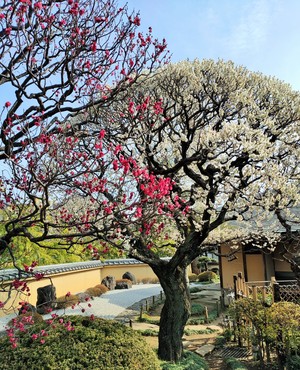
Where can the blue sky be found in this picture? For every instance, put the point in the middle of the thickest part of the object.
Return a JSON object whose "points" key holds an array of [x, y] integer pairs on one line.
{"points": [[263, 35]]}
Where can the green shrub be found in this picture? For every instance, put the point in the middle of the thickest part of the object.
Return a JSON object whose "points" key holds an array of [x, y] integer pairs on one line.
{"points": [[79, 343], [66, 301], [149, 319], [294, 363], [212, 316], [197, 309], [189, 361], [207, 276], [234, 364], [188, 332], [193, 277], [102, 288], [220, 341], [149, 333]]}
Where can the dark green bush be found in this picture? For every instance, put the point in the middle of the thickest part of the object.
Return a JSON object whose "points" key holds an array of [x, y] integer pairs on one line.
{"points": [[79, 343], [234, 364], [189, 361], [220, 341], [294, 363], [207, 276], [197, 309]]}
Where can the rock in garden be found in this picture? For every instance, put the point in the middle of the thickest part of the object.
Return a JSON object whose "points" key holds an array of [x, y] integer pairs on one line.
{"points": [[46, 299], [128, 275], [109, 282], [123, 285]]}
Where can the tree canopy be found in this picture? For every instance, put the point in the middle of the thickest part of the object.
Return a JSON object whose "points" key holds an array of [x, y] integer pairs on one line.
{"points": [[102, 148]]}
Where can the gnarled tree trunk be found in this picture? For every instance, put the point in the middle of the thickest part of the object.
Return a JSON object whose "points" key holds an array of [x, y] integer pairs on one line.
{"points": [[175, 312]]}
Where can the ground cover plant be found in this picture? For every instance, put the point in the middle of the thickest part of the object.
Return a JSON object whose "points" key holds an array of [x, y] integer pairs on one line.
{"points": [[189, 361], [76, 342]]}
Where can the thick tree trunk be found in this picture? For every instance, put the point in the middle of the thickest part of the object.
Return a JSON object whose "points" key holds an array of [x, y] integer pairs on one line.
{"points": [[175, 313]]}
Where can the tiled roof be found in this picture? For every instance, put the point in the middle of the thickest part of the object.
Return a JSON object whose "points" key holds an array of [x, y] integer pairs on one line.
{"points": [[10, 274]]}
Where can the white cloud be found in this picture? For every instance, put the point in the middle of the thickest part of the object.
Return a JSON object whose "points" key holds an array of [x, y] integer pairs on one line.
{"points": [[249, 33]]}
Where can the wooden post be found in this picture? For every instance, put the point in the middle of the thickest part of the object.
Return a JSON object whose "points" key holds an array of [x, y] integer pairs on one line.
{"points": [[276, 292], [264, 296], [206, 314], [272, 283], [254, 292], [161, 295], [240, 283], [221, 304], [153, 299], [235, 287], [147, 305], [141, 312], [246, 290], [130, 323]]}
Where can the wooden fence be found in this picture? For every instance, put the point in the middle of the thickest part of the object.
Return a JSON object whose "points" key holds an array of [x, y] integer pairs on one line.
{"points": [[266, 291]]}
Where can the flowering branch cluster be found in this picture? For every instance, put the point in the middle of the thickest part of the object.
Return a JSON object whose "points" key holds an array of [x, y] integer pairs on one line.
{"points": [[60, 58]]}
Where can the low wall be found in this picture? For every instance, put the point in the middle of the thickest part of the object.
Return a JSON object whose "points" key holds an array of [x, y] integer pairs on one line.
{"points": [[74, 278], [140, 271]]}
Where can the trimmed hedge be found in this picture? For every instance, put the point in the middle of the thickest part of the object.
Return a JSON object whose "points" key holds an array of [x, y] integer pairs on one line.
{"points": [[207, 276], [93, 292], [66, 301], [102, 288], [79, 343], [193, 277]]}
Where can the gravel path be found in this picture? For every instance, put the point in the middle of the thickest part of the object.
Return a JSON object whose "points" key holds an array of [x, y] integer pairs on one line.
{"points": [[109, 306]]}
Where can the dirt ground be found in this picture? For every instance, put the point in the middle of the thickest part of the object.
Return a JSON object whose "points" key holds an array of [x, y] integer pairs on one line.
{"points": [[194, 342], [191, 342]]}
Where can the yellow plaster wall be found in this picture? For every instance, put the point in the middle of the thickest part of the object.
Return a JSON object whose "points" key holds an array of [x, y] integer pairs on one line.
{"points": [[79, 281], [73, 281], [255, 267], [140, 271], [230, 268]]}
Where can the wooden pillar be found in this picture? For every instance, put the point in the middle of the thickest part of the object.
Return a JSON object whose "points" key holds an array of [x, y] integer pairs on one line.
{"points": [[254, 292]]}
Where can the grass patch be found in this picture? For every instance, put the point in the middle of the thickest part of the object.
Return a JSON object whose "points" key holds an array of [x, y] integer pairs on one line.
{"points": [[197, 309], [200, 331], [189, 361], [212, 316], [148, 319]]}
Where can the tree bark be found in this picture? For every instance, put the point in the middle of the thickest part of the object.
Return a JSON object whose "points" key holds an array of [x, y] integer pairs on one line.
{"points": [[175, 312]]}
